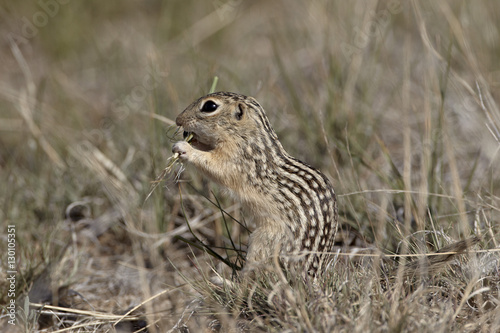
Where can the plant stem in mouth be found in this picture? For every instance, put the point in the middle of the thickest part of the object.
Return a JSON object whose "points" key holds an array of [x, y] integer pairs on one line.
{"points": [[188, 139]]}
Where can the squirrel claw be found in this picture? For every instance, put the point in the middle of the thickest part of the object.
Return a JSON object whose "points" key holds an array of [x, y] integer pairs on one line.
{"points": [[182, 148]]}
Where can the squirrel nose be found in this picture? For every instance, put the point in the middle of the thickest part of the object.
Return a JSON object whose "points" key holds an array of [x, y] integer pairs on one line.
{"points": [[181, 118], [178, 120]]}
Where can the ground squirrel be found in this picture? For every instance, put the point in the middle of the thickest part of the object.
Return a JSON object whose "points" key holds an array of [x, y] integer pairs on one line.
{"points": [[293, 204]]}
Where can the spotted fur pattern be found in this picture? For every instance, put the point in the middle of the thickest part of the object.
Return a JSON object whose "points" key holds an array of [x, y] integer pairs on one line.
{"points": [[293, 204]]}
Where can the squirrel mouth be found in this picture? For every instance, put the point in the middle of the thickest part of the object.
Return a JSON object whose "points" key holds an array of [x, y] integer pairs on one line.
{"points": [[194, 140]]}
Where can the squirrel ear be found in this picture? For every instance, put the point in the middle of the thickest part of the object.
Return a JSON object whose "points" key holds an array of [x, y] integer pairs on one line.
{"points": [[240, 112]]}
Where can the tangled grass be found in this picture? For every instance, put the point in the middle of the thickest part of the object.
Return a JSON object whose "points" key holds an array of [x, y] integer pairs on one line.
{"points": [[395, 101]]}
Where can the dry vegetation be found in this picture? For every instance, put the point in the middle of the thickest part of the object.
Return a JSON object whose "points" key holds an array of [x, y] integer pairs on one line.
{"points": [[394, 100]]}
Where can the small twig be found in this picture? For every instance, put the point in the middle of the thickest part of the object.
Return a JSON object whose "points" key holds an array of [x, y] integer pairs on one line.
{"points": [[203, 246], [125, 316], [25, 97], [94, 314], [214, 85], [171, 163]]}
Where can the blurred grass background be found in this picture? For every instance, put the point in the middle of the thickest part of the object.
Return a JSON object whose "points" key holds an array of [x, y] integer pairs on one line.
{"points": [[395, 101]]}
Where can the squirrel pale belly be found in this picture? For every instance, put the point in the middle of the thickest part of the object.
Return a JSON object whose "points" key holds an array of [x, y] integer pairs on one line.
{"points": [[293, 205]]}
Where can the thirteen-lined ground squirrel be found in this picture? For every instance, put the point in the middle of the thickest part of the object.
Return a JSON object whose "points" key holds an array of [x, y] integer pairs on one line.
{"points": [[293, 204]]}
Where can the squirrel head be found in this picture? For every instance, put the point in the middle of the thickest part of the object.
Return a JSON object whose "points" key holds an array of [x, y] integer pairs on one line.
{"points": [[222, 118]]}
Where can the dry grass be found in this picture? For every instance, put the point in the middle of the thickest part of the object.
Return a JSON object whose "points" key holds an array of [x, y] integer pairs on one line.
{"points": [[394, 100]]}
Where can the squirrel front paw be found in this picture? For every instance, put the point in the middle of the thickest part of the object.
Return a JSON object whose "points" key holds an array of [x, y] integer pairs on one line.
{"points": [[183, 149]]}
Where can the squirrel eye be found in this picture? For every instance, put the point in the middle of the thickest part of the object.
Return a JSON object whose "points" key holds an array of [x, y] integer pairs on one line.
{"points": [[209, 106]]}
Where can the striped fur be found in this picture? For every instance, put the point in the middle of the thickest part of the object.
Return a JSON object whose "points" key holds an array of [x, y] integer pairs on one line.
{"points": [[293, 204]]}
